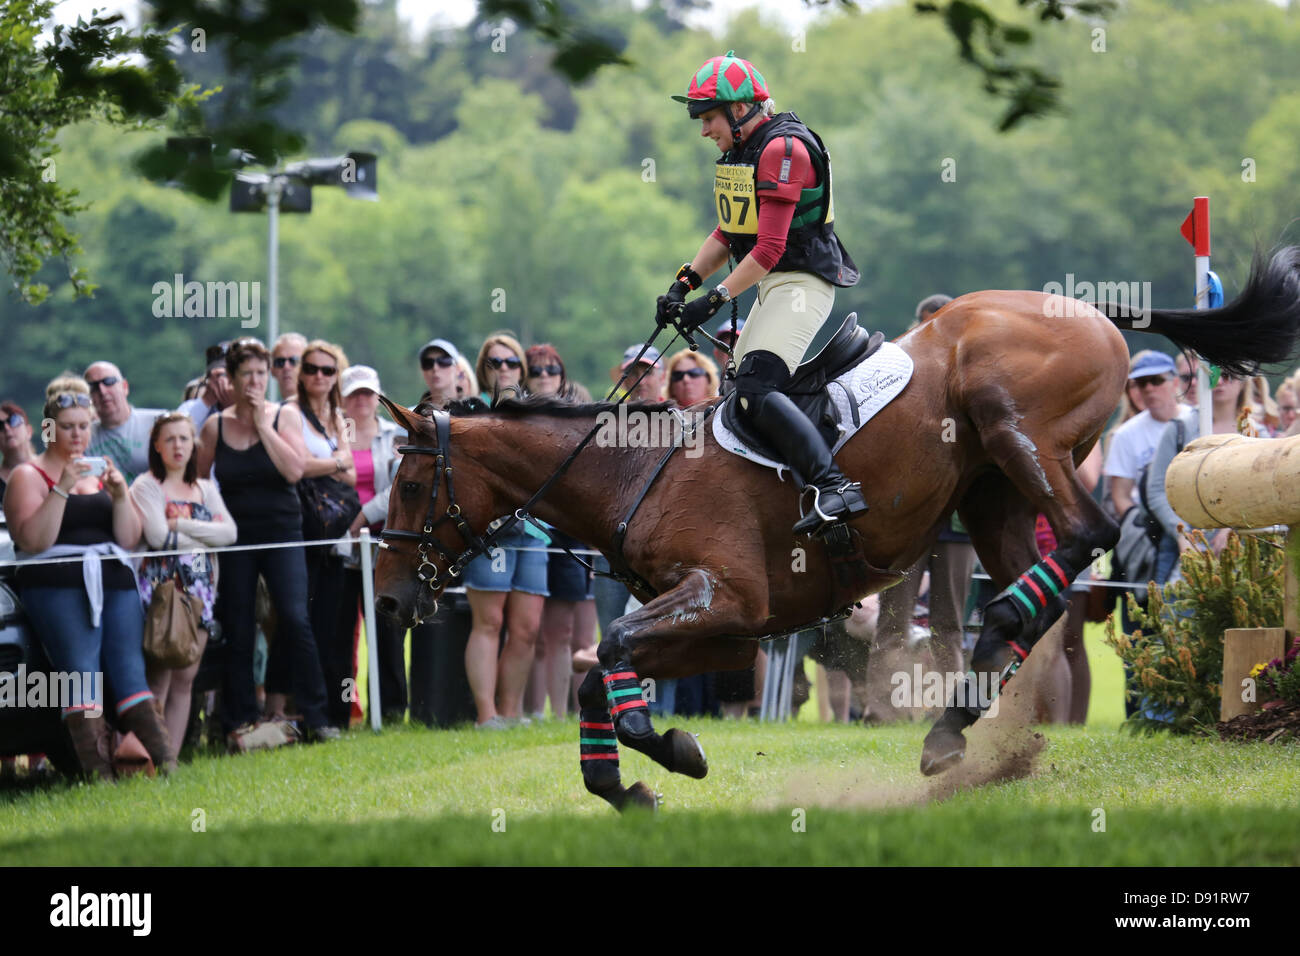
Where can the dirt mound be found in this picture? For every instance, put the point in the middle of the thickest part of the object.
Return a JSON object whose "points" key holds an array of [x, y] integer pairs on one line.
{"points": [[1270, 725]]}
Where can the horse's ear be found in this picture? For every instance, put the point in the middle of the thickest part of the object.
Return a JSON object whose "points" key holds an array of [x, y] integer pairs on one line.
{"points": [[413, 423]]}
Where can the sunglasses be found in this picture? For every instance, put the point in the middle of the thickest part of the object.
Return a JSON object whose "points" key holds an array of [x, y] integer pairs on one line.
{"points": [[1188, 378], [680, 374], [329, 371], [537, 371], [108, 381], [428, 361], [280, 361], [1155, 380], [511, 362], [68, 399], [15, 421]]}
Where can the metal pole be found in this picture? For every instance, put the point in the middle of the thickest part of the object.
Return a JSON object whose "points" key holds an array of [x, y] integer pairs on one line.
{"points": [[772, 683], [1201, 218], [372, 636], [787, 681], [273, 272]]}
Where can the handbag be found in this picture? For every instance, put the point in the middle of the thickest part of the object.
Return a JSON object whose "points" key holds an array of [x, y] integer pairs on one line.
{"points": [[328, 505], [171, 626]]}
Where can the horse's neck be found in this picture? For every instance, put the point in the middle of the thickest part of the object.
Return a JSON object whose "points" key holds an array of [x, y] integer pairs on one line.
{"points": [[587, 501]]}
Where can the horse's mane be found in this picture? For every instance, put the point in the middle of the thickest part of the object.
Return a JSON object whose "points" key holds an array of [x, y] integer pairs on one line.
{"points": [[537, 405]]}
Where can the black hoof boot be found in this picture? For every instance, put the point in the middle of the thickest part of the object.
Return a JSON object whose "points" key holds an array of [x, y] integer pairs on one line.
{"points": [[945, 744]]}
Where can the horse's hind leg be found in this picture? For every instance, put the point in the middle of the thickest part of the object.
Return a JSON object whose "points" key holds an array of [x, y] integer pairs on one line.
{"points": [[1000, 513], [599, 750]]}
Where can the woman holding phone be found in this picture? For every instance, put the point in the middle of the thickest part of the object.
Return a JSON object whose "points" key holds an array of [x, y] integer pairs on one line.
{"points": [[86, 613]]}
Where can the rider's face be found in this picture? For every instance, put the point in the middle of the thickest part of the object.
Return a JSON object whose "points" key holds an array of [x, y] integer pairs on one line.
{"points": [[716, 125]]}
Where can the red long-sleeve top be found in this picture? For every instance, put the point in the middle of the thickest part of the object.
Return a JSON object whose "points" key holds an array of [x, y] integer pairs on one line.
{"points": [[776, 206]]}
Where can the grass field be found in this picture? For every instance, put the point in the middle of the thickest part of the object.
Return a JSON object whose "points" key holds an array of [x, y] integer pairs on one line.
{"points": [[414, 796]]}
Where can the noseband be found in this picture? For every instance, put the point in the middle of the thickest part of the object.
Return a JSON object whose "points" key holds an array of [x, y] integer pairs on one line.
{"points": [[428, 540]]}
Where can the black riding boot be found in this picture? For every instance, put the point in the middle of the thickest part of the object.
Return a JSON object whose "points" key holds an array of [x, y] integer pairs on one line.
{"points": [[828, 495]]}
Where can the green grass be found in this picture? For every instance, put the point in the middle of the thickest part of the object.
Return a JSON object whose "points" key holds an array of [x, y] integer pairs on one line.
{"points": [[414, 796]]}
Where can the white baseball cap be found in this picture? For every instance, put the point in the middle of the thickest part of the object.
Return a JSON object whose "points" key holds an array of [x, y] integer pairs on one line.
{"points": [[439, 344], [357, 377]]}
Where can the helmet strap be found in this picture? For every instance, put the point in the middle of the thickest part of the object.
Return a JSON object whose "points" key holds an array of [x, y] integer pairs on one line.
{"points": [[736, 124]]}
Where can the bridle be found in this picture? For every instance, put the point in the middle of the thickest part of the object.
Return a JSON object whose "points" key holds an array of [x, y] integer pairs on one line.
{"points": [[427, 537]]}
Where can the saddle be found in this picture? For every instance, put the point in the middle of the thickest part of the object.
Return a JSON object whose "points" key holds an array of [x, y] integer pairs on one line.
{"points": [[849, 346]]}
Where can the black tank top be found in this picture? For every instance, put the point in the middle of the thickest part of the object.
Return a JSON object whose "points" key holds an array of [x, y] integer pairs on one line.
{"points": [[265, 506], [87, 519]]}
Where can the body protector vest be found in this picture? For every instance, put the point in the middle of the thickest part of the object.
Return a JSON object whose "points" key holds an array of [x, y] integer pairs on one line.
{"points": [[811, 245]]}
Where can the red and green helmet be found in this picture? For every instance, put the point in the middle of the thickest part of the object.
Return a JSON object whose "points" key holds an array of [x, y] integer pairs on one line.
{"points": [[724, 79]]}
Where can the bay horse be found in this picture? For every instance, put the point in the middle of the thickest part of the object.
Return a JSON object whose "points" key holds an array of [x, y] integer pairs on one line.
{"points": [[1011, 389]]}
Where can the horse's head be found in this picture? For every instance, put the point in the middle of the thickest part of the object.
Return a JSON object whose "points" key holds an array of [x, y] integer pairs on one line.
{"points": [[429, 519]]}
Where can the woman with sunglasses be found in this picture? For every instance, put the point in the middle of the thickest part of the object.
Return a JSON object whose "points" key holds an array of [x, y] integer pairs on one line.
{"points": [[179, 511], [506, 584], [255, 450], [692, 378], [569, 614], [329, 454], [15, 441], [500, 365], [86, 612]]}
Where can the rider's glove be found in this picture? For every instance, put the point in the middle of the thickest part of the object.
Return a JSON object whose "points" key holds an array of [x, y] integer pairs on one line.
{"points": [[670, 305], [701, 309]]}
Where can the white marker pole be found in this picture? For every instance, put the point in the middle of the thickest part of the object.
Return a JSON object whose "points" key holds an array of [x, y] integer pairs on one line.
{"points": [[1196, 230], [372, 636]]}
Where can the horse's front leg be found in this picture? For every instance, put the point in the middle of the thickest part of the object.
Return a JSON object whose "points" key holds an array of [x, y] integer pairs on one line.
{"points": [[656, 638]]}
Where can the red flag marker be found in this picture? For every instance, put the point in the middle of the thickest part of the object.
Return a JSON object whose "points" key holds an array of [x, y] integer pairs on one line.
{"points": [[1196, 227]]}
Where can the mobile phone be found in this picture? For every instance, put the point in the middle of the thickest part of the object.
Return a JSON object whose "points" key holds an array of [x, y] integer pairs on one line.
{"points": [[97, 465]]}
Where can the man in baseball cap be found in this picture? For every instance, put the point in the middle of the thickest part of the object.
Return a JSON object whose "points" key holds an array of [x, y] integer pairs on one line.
{"points": [[645, 379], [1134, 443]]}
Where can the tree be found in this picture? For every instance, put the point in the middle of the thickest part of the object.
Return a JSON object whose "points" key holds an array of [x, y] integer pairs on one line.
{"points": [[44, 87]]}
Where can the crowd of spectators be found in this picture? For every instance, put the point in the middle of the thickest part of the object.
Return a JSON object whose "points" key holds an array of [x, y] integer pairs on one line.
{"points": [[227, 468]]}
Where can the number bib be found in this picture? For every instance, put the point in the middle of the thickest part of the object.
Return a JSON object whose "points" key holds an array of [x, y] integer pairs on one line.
{"points": [[734, 198]]}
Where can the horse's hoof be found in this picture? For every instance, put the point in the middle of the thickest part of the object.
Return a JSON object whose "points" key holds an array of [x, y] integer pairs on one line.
{"points": [[944, 749], [687, 754], [639, 797]]}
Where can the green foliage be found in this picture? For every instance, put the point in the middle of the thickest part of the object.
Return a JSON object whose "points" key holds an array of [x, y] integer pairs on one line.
{"points": [[1177, 652], [94, 69], [580, 201]]}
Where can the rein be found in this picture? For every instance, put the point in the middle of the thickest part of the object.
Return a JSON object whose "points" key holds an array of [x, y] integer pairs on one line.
{"points": [[475, 545]]}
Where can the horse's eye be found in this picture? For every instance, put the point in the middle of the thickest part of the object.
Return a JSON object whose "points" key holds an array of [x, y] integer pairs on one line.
{"points": [[410, 489]]}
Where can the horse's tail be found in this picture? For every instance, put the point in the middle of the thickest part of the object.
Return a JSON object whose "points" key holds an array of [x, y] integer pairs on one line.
{"points": [[1260, 326]]}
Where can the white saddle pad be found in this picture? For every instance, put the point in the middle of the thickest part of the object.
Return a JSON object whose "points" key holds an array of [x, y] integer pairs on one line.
{"points": [[856, 395]]}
